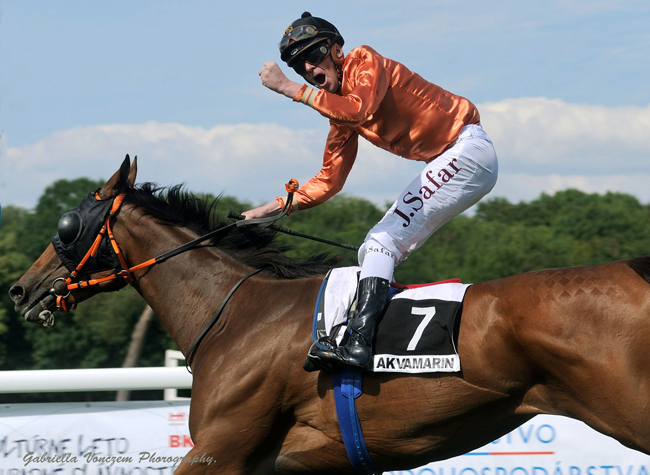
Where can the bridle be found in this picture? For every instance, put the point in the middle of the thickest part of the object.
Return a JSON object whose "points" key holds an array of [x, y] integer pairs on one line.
{"points": [[126, 273], [71, 282]]}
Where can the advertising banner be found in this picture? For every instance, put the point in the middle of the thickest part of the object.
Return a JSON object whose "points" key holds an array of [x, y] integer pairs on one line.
{"points": [[545, 445], [150, 437], [103, 438]]}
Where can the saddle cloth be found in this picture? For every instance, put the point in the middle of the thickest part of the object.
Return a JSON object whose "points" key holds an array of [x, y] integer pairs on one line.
{"points": [[416, 332]]}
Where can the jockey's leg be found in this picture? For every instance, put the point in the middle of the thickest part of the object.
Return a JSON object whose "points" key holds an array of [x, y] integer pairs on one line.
{"points": [[448, 185], [453, 182], [372, 296]]}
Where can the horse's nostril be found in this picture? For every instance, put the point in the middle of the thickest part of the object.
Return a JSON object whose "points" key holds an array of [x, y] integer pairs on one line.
{"points": [[17, 293]]}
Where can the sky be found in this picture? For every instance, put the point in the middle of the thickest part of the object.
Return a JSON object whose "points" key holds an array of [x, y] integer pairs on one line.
{"points": [[562, 88]]}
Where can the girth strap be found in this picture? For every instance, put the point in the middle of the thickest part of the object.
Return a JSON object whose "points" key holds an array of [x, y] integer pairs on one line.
{"points": [[190, 353], [348, 386]]}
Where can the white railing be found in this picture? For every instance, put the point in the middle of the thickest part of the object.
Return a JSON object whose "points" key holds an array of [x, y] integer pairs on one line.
{"points": [[170, 378], [172, 357]]}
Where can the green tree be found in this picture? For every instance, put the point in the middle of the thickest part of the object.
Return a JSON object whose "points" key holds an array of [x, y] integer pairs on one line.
{"points": [[13, 263], [58, 198], [342, 219], [565, 229]]}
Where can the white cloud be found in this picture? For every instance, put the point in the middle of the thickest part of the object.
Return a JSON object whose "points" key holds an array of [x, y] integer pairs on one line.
{"points": [[540, 136], [543, 145], [523, 187], [246, 160]]}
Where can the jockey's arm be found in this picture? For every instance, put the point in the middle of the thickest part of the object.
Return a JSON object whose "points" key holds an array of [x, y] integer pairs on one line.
{"points": [[338, 158], [269, 209], [273, 78]]}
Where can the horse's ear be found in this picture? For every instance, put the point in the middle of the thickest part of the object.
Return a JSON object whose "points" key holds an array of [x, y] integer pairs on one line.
{"points": [[132, 172], [118, 182]]}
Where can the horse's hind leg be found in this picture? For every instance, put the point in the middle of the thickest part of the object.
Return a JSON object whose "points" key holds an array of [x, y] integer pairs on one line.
{"points": [[585, 331], [608, 389], [618, 409]]}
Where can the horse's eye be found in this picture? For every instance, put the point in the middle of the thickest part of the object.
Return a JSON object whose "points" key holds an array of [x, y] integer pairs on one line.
{"points": [[69, 227]]}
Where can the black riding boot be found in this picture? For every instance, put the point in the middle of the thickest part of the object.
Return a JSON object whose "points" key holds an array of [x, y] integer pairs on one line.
{"points": [[357, 351]]}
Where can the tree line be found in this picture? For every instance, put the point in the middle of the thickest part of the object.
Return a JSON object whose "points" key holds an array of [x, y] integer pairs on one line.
{"points": [[569, 228]]}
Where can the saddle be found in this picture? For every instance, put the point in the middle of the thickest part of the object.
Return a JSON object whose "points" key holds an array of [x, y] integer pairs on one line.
{"points": [[417, 332]]}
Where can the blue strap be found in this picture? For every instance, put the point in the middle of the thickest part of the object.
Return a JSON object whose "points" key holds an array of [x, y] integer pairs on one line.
{"points": [[347, 387]]}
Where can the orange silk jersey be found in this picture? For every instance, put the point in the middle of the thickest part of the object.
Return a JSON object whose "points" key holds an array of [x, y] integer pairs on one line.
{"points": [[390, 106]]}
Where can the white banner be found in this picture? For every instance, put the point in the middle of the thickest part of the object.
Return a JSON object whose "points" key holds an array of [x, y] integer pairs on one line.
{"points": [[545, 445], [138, 438], [103, 438]]}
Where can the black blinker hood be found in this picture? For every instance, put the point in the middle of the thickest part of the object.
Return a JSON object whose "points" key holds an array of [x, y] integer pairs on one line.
{"points": [[93, 214]]}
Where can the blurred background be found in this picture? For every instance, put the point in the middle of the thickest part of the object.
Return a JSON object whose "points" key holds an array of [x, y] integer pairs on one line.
{"points": [[561, 87]]}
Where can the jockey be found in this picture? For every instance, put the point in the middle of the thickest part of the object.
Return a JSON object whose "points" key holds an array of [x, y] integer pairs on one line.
{"points": [[365, 94]]}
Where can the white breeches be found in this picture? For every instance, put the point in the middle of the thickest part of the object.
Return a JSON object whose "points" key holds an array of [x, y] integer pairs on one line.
{"points": [[457, 179]]}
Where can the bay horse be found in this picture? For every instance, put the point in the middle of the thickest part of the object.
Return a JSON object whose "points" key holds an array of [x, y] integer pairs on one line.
{"points": [[572, 342]]}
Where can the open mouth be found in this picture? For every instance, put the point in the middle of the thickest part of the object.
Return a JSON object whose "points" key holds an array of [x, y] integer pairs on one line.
{"points": [[41, 311], [320, 79]]}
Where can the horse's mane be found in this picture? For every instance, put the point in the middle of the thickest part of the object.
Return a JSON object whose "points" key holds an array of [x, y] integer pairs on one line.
{"points": [[251, 245], [641, 265]]}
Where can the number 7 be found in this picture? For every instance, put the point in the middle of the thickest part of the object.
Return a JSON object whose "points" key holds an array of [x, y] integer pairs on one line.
{"points": [[428, 314]]}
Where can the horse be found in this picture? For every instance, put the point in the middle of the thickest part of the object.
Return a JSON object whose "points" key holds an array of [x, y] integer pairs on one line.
{"points": [[570, 342]]}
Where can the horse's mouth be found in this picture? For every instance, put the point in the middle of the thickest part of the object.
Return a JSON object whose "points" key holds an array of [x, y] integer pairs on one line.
{"points": [[40, 312]]}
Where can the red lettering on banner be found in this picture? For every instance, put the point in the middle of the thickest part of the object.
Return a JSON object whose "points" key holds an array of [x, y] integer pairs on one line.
{"points": [[180, 441], [406, 218], [177, 419], [412, 200]]}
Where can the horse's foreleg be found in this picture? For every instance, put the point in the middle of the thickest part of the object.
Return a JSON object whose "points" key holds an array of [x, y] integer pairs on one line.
{"points": [[192, 464], [202, 460]]}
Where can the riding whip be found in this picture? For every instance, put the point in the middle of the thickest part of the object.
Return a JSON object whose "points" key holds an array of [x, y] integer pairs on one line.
{"points": [[291, 187]]}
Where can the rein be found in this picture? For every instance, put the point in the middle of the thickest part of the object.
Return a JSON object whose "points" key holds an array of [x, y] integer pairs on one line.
{"points": [[291, 232], [192, 351], [126, 272]]}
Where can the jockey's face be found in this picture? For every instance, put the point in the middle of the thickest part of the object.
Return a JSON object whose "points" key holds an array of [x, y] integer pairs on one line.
{"points": [[324, 74]]}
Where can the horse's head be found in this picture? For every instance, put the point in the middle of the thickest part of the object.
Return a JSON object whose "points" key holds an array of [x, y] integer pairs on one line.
{"points": [[75, 254]]}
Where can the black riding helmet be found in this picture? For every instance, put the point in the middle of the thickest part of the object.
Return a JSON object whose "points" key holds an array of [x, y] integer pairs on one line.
{"points": [[303, 34]]}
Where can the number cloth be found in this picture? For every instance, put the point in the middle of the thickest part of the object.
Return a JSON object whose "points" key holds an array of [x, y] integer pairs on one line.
{"points": [[416, 332]]}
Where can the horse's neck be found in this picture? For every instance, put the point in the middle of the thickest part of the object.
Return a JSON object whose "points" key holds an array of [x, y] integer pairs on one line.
{"points": [[185, 290]]}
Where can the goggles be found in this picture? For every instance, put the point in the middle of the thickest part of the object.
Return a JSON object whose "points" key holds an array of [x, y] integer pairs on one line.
{"points": [[313, 56], [303, 32]]}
